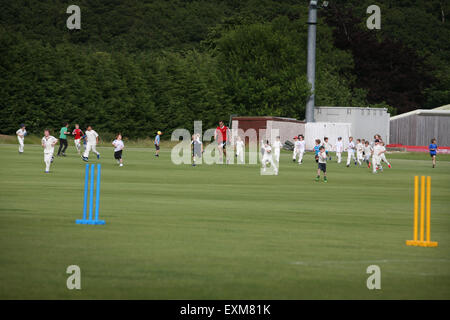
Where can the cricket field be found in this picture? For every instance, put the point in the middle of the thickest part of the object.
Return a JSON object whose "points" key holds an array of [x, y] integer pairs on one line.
{"points": [[219, 231]]}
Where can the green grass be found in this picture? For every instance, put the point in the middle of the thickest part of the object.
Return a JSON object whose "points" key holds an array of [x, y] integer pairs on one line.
{"points": [[218, 232]]}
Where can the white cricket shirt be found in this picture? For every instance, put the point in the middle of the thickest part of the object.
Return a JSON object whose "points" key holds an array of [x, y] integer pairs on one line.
{"points": [[48, 144], [91, 136]]}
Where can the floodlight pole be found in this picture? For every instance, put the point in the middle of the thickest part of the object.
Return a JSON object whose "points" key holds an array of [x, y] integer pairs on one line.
{"points": [[311, 63]]}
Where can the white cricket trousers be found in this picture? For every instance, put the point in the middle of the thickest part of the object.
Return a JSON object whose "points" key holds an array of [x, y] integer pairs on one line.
{"points": [[48, 160], [295, 153], [359, 157], [376, 162], [339, 156], [89, 147], [240, 155], [276, 154], [300, 156], [20, 143], [77, 144], [383, 157], [350, 156]]}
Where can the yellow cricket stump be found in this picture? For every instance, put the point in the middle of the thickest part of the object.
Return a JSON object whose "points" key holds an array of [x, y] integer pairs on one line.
{"points": [[422, 242]]}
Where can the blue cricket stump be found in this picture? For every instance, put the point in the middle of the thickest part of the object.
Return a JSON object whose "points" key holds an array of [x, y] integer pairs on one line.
{"points": [[90, 187]]}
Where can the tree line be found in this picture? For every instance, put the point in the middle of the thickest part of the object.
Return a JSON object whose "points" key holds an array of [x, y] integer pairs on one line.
{"points": [[140, 66]]}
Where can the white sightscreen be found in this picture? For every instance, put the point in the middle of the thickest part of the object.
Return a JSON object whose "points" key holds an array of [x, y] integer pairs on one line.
{"points": [[319, 130]]}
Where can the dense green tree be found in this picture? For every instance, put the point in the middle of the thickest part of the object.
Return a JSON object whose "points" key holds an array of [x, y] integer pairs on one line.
{"points": [[263, 66], [140, 66], [410, 54]]}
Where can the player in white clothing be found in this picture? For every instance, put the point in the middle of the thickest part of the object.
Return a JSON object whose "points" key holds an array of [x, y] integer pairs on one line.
{"points": [[301, 148], [327, 147], [359, 151], [118, 147], [277, 145], [350, 151], [367, 153], [240, 149], [267, 158], [296, 151], [376, 156], [322, 163], [383, 155], [197, 149], [48, 142], [92, 140], [339, 149], [21, 133], [261, 149]]}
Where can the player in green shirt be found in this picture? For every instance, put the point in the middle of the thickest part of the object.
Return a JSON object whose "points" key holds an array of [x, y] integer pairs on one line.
{"points": [[63, 140]]}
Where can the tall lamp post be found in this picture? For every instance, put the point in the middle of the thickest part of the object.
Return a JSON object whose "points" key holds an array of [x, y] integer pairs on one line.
{"points": [[311, 63]]}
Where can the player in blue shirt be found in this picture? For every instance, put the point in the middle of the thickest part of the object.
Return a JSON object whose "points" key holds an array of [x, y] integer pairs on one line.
{"points": [[317, 150], [433, 151], [157, 142]]}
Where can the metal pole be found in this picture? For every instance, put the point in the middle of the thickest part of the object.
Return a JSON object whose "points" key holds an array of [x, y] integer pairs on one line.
{"points": [[311, 66]]}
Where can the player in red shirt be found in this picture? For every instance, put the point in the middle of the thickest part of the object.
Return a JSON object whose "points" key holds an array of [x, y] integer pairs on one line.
{"points": [[221, 138], [77, 133]]}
